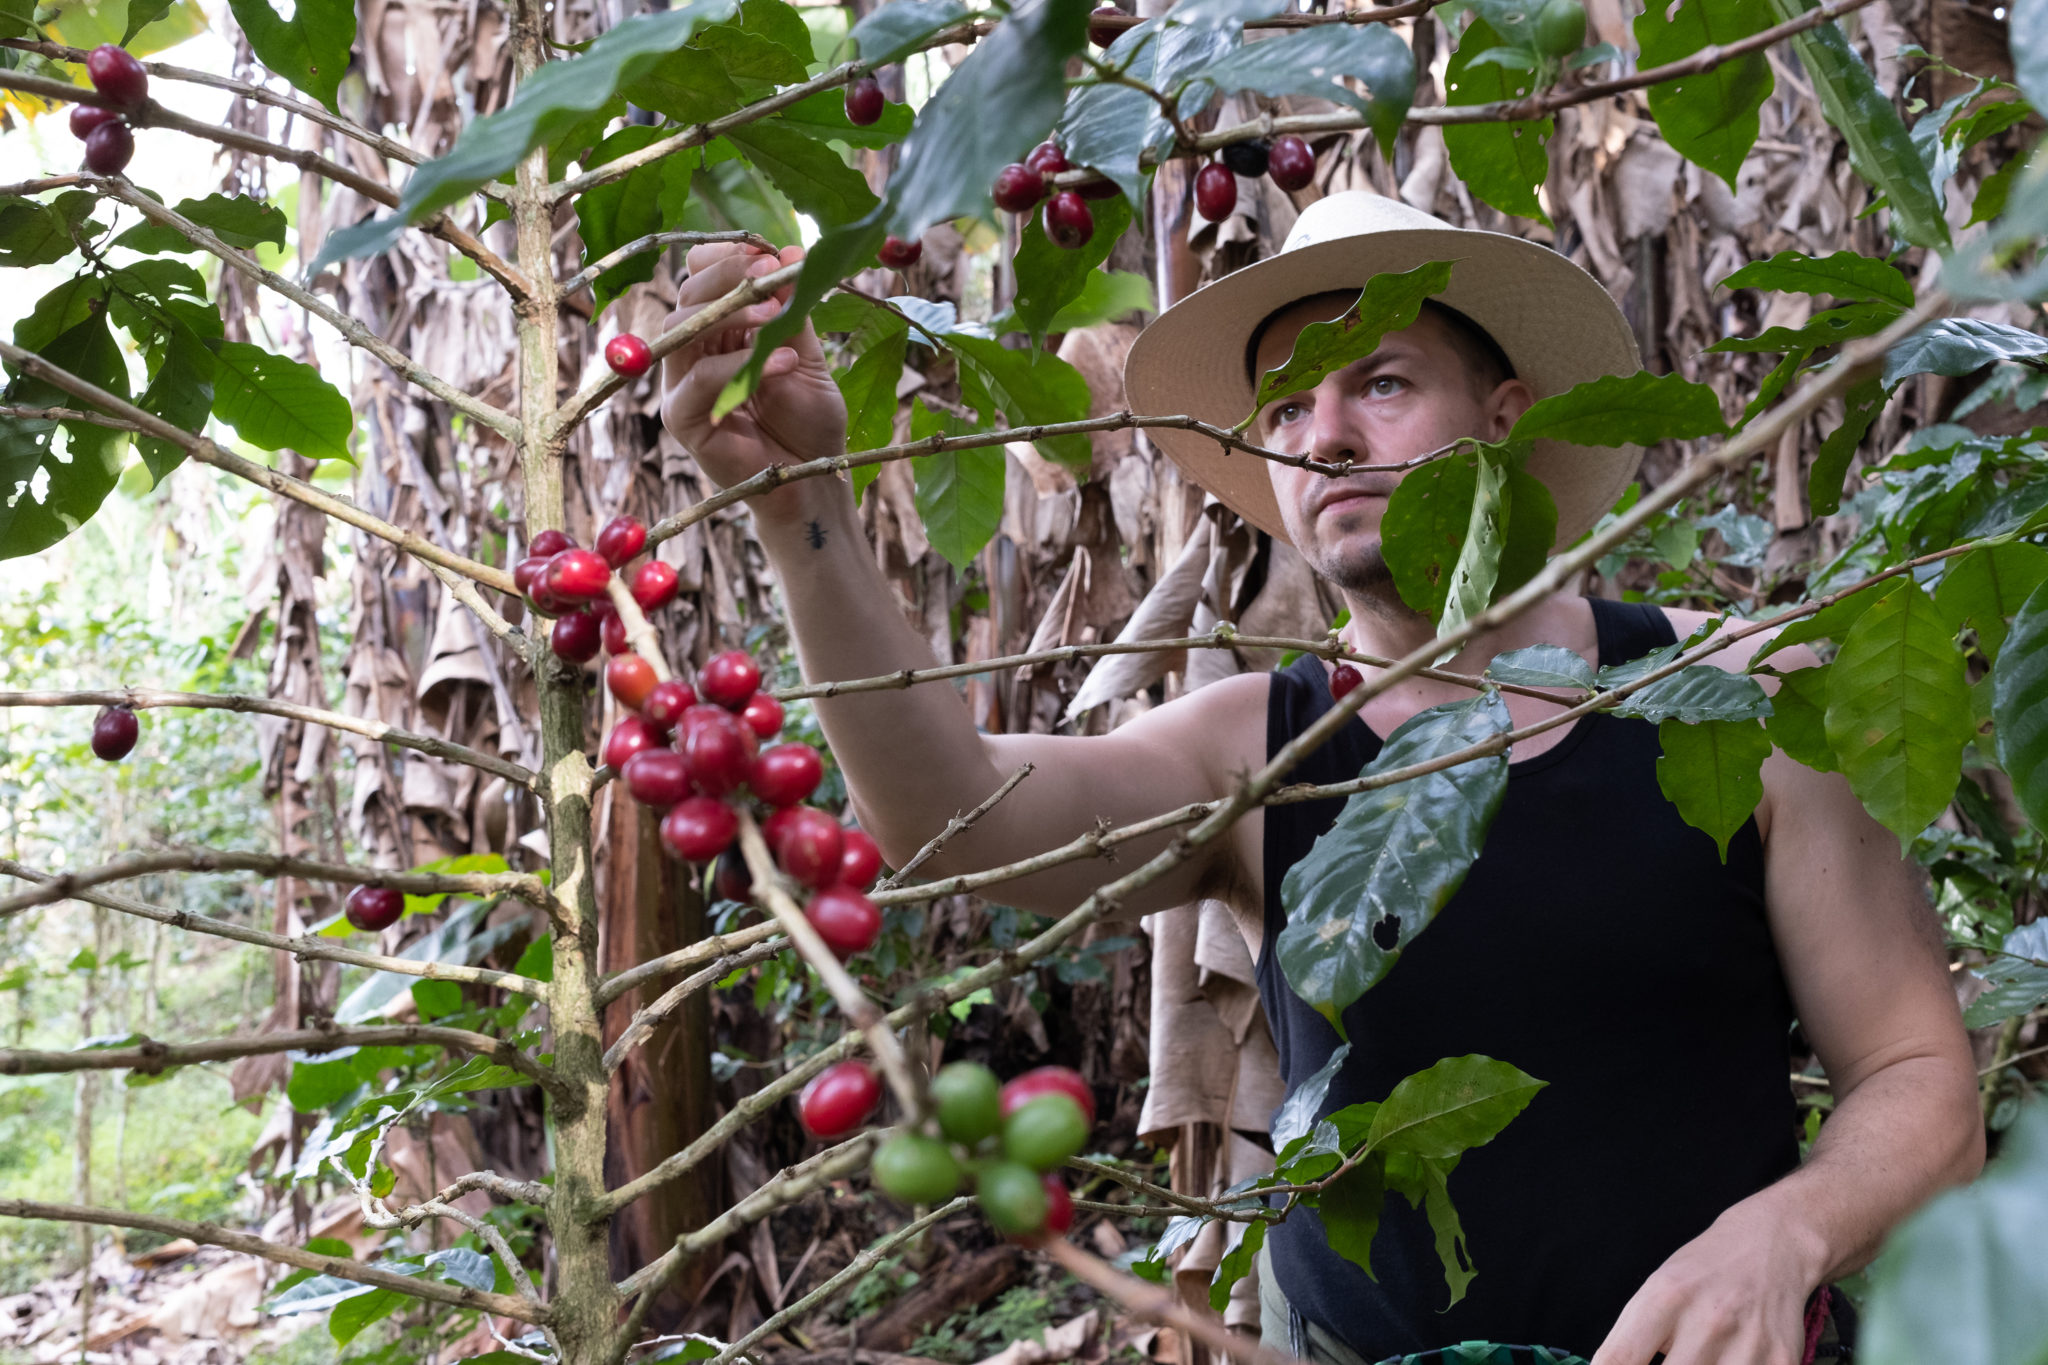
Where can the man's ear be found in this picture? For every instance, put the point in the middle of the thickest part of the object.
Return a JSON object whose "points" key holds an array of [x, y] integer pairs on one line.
{"points": [[1505, 406]]}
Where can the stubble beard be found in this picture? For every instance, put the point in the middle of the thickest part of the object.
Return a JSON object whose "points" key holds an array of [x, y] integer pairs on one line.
{"points": [[1361, 574]]}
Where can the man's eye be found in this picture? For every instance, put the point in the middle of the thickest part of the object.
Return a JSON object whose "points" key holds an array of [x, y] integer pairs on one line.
{"points": [[1386, 386], [1287, 412]]}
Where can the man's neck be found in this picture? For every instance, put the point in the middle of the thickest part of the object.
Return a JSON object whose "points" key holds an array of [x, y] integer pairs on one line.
{"points": [[1382, 624]]}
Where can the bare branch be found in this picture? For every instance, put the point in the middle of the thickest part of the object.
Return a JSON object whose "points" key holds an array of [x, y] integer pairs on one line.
{"points": [[516, 1191], [304, 946], [464, 591], [64, 886], [1184, 1203], [64, 414], [151, 1057], [651, 1017], [657, 239], [682, 959], [341, 1267], [148, 698], [1157, 1303], [955, 826], [206, 452], [771, 893]]}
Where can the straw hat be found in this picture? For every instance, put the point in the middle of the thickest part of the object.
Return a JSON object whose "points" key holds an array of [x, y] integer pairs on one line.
{"points": [[1555, 322]]}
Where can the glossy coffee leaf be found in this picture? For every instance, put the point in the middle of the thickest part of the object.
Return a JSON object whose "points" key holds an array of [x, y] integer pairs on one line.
{"points": [[276, 403], [1860, 407], [1710, 117], [1713, 772], [1988, 586], [240, 220], [1050, 277], [1314, 62], [891, 32], [1542, 666], [310, 49], [1392, 860], [1297, 1113], [959, 492], [611, 215], [1029, 387], [2019, 707], [810, 174], [1623, 409], [1462, 528], [1959, 346], [1798, 720], [1846, 275], [1696, 693], [1455, 1105], [1502, 163], [58, 473]]}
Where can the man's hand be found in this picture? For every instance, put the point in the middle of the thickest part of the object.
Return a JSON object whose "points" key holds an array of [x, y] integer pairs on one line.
{"points": [[796, 414], [1734, 1295]]}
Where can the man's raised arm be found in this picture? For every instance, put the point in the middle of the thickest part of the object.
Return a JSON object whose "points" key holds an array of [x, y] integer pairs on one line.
{"points": [[912, 756]]}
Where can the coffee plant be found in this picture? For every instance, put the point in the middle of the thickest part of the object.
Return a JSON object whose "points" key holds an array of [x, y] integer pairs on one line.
{"points": [[1932, 624]]}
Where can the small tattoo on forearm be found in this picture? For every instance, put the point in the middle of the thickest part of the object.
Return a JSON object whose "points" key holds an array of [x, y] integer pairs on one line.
{"points": [[815, 533]]}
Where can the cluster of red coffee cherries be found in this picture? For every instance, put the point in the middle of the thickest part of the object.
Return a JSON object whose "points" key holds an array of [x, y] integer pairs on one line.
{"points": [[1009, 1138], [1286, 158], [109, 145], [1020, 186], [563, 580]]}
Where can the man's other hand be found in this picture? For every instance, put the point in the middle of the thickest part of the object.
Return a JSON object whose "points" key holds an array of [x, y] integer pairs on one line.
{"points": [[1734, 1295]]}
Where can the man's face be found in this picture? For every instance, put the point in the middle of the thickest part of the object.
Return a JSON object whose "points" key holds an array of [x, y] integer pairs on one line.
{"points": [[1414, 394]]}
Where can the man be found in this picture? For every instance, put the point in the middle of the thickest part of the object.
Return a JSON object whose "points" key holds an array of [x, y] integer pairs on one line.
{"points": [[1650, 1198]]}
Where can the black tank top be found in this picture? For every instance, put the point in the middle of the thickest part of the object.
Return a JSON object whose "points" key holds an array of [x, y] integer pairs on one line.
{"points": [[1599, 944]]}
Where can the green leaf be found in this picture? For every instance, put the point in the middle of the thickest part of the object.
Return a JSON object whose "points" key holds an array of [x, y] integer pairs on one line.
{"points": [[1987, 586], [959, 492], [1542, 666], [1469, 585], [889, 33], [1236, 1264], [77, 473], [1831, 622], [33, 233], [180, 391], [1959, 346], [463, 1266], [1899, 710], [815, 178], [1709, 117], [352, 1315], [1314, 62], [1623, 409], [2027, 35], [316, 1085], [2017, 988], [240, 220], [1798, 720], [1696, 693], [1297, 1113], [1394, 857], [436, 998], [1502, 163], [1713, 773], [547, 104], [1830, 327], [1027, 387], [1860, 407], [1880, 148], [1425, 1182], [1963, 1282], [1388, 303], [1350, 1212], [310, 49], [1458, 1104], [1109, 127], [869, 387], [611, 215], [1050, 277], [1106, 296], [1453, 539], [2019, 706], [824, 115], [274, 402], [1846, 275]]}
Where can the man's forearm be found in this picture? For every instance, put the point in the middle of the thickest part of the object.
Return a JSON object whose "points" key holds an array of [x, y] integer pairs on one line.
{"points": [[1899, 1138], [912, 756]]}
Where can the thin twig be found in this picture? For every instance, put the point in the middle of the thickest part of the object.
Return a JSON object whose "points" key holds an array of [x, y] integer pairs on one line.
{"points": [[206, 452], [703, 950], [955, 826], [652, 1016], [1185, 1203], [306, 946], [657, 239], [341, 1267], [153, 1058], [464, 592], [149, 698], [64, 414], [1157, 1303]]}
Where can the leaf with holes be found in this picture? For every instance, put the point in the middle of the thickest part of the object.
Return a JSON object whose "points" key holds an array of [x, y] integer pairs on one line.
{"points": [[1987, 586], [75, 473], [1461, 527], [310, 49], [1388, 303], [1502, 163], [1315, 62], [1542, 666], [275, 403], [180, 391], [1695, 693], [959, 492], [1713, 773], [1394, 857], [1899, 710], [1425, 1183], [1846, 275], [1623, 409], [1709, 117]]}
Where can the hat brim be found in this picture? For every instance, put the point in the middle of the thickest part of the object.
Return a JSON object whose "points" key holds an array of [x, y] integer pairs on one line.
{"points": [[1555, 322]]}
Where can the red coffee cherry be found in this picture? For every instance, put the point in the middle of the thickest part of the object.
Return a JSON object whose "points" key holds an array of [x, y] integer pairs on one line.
{"points": [[86, 117], [811, 848], [1342, 679], [716, 751], [729, 679], [1215, 192], [629, 737], [117, 75], [898, 254], [579, 575], [666, 704], [528, 572], [657, 777], [1018, 188], [861, 861], [114, 731], [109, 148], [763, 715], [1068, 221], [1291, 164], [576, 637], [845, 919], [1102, 35], [631, 679], [374, 908], [654, 585], [776, 827], [546, 600], [699, 828], [785, 774], [1047, 159], [1049, 1080], [628, 355], [620, 540], [864, 101], [613, 627], [839, 1099], [548, 544]]}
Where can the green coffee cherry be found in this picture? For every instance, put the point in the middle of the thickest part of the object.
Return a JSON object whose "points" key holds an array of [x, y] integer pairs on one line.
{"points": [[1013, 1198], [917, 1169], [1045, 1132], [969, 1100]]}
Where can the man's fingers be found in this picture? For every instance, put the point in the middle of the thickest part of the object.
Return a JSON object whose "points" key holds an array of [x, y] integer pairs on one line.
{"points": [[687, 406], [1637, 1335]]}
